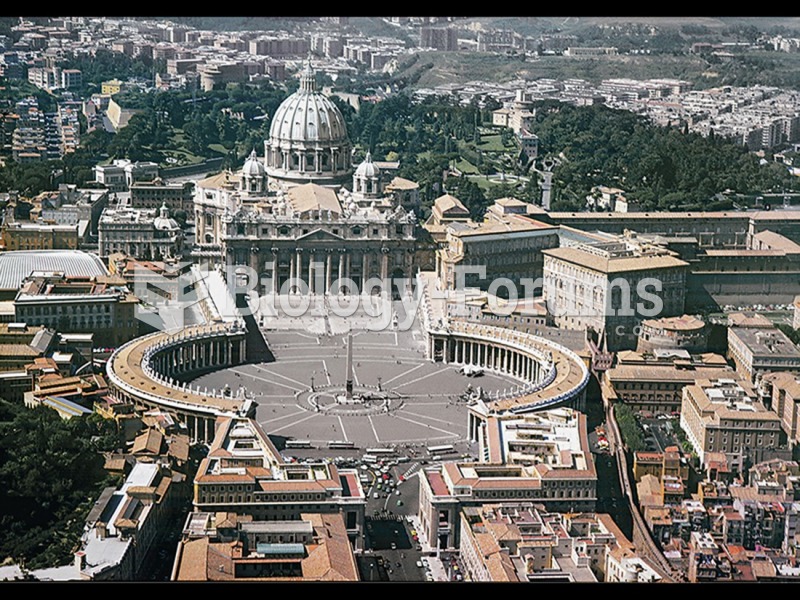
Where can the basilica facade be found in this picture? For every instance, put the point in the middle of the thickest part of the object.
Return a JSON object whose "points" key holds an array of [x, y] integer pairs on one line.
{"points": [[289, 217]]}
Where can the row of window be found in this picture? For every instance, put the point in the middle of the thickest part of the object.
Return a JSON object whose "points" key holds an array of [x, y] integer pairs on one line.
{"points": [[287, 509], [65, 309], [80, 322], [748, 440], [635, 385], [275, 497], [545, 493]]}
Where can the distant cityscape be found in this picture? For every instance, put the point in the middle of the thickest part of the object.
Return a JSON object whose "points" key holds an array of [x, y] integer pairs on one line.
{"points": [[272, 354]]}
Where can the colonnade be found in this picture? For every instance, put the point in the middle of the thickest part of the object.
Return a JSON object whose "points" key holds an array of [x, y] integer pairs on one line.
{"points": [[319, 268], [149, 381], [197, 355]]}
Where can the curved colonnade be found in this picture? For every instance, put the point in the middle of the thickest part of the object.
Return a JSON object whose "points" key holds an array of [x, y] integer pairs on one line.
{"points": [[137, 373], [550, 375]]}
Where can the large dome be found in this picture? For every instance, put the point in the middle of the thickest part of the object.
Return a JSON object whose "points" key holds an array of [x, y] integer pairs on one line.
{"points": [[308, 139]]}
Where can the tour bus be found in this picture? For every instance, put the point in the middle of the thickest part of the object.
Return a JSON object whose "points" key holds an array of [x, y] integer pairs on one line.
{"points": [[341, 445], [369, 458], [298, 444], [443, 449], [380, 451]]}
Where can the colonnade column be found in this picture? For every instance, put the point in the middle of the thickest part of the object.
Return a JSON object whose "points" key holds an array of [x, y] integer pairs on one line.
{"points": [[384, 266], [275, 271], [298, 272], [329, 262], [311, 272]]}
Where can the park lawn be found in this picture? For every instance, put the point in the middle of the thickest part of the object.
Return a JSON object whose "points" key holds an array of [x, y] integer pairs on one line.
{"points": [[483, 182], [466, 167], [493, 143], [219, 148]]}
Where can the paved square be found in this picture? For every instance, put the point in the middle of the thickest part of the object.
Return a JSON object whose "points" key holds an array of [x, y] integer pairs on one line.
{"points": [[424, 399]]}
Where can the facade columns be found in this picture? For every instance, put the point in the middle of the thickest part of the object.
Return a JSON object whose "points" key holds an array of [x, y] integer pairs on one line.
{"points": [[341, 268], [275, 271], [329, 261], [384, 266], [311, 273], [299, 269], [364, 270]]}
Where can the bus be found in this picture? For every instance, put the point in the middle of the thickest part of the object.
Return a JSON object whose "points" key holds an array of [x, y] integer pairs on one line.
{"points": [[341, 445], [380, 451], [443, 449], [369, 458], [298, 444]]}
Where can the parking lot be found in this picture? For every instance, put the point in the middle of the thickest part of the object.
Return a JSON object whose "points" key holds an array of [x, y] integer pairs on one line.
{"points": [[659, 432]]}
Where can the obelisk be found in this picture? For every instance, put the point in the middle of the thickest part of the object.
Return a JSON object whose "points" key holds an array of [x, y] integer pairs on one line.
{"points": [[348, 384]]}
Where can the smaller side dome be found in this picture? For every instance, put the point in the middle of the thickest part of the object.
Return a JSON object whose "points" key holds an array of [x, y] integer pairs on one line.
{"points": [[252, 166], [163, 222], [368, 169]]}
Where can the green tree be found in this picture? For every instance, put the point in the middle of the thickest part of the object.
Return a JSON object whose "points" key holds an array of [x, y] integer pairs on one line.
{"points": [[628, 427], [51, 471]]}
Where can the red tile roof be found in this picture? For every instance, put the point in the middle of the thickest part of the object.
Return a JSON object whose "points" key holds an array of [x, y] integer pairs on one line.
{"points": [[438, 485]]}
